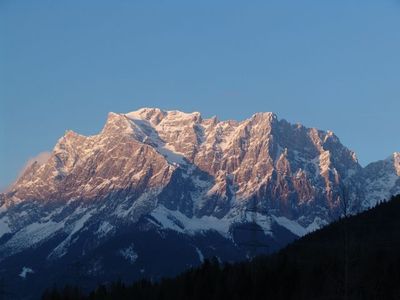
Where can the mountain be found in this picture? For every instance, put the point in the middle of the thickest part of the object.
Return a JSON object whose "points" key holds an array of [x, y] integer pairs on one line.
{"points": [[156, 192], [355, 258], [381, 179]]}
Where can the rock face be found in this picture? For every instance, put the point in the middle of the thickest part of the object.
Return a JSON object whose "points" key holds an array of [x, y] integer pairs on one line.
{"points": [[381, 179], [169, 179]]}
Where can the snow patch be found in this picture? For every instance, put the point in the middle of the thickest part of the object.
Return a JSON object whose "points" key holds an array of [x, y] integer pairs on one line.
{"points": [[25, 271], [316, 224], [3, 208], [200, 254], [104, 228], [151, 135], [290, 225], [32, 234], [129, 254], [61, 249], [381, 189], [139, 206], [4, 228], [177, 221]]}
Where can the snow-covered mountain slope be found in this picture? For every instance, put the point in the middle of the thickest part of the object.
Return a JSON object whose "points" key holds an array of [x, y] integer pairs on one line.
{"points": [[381, 179], [196, 183]]}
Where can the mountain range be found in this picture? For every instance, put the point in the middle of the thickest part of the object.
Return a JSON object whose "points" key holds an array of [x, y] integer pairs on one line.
{"points": [[157, 192]]}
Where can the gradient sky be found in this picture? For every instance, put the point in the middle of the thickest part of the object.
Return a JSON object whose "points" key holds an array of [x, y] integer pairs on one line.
{"points": [[326, 64]]}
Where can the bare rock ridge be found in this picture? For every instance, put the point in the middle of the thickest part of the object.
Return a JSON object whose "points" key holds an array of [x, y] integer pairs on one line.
{"points": [[189, 175], [283, 167], [143, 148]]}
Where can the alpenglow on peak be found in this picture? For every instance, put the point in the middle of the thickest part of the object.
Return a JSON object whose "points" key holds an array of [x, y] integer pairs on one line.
{"points": [[157, 179]]}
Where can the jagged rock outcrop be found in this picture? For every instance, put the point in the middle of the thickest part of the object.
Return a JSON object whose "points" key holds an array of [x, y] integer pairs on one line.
{"points": [[282, 166], [187, 179]]}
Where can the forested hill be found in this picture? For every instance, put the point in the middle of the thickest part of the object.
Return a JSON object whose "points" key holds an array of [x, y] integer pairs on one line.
{"points": [[355, 258]]}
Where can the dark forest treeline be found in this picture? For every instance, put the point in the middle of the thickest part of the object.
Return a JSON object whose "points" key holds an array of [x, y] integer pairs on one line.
{"points": [[355, 258]]}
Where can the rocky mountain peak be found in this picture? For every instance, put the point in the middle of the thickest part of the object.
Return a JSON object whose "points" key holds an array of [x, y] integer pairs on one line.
{"points": [[175, 176], [117, 124], [264, 117], [224, 164], [153, 179]]}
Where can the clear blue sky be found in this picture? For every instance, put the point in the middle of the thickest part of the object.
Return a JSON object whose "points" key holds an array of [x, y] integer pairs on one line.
{"points": [[327, 64]]}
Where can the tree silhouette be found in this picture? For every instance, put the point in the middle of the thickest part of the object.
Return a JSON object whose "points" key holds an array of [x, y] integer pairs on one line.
{"points": [[3, 291], [345, 205]]}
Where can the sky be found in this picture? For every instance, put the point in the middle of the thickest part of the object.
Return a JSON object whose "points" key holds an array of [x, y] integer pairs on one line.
{"points": [[333, 65]]}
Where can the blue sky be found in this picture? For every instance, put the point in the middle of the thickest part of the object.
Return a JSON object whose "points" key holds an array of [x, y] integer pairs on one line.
{"points": [[326, 64]]}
